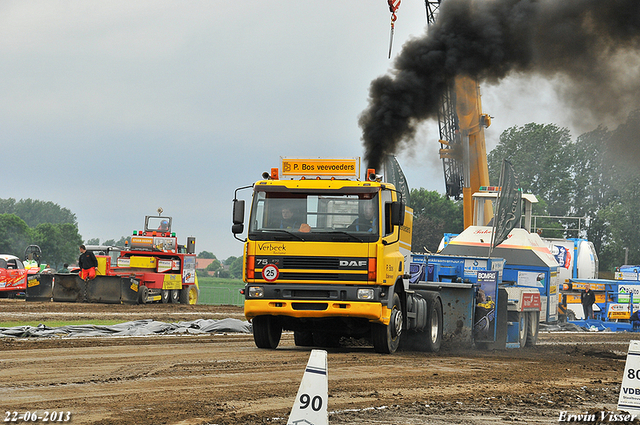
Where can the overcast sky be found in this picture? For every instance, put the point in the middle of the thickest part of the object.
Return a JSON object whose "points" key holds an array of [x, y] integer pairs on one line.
{"points": [[113, 109]]}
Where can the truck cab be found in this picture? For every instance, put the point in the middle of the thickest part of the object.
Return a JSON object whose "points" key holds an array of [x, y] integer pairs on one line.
{"points": [[323, 254]]}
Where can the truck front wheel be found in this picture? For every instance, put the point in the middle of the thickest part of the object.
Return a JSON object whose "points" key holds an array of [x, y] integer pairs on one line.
{"points": [[267, 331], [386, 338]]}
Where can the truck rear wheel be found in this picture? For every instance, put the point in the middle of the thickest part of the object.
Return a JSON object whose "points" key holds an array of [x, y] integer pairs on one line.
{"points": [[267, 331], [175, 296], [521, 319], [532, 328], [434, 329], [165, 295], [386, 338]]}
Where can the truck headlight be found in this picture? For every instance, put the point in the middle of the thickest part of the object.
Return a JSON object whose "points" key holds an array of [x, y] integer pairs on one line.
{"points": [[256, 292], [365, 294]]}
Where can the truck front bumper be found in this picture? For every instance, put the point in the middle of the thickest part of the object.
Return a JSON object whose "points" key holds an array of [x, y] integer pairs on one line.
{"points": [[372, 311], [318, 301]]}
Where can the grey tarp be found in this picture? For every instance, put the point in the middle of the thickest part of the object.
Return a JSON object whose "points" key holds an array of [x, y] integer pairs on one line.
{"points": [[134, 328], [572, 327]]}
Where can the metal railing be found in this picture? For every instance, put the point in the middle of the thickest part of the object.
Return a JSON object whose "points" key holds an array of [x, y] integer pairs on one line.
{"points": [[563, 220], [220, 296]]}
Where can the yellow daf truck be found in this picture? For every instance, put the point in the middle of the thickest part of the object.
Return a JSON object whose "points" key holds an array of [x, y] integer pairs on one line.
{"points": [[326, 256]]}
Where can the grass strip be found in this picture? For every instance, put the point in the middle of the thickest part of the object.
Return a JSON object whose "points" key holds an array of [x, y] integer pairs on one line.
{"points": [[58, 323]]}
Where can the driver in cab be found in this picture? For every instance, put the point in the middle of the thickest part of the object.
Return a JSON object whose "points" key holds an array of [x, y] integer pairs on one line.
{"points": [[366, 222], [287, 221]]}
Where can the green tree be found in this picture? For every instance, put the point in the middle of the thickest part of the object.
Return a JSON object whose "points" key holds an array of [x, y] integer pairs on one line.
{"points": [[206, 254], [235, 268], [623, 221], [214, 266], [230, 260], [59, 242], [595, 185], [35, 212], [14, 235], [434, 214], [542, 157], [596, 177], [620, 218], [123, 241], [93, 241]]}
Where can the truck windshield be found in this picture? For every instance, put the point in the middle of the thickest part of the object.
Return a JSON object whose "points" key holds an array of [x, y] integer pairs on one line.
{"points": [[330, 216], [160, 224]]}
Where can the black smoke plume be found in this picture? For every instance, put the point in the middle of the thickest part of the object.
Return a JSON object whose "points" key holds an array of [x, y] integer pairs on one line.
{"points": [[590, 46]]}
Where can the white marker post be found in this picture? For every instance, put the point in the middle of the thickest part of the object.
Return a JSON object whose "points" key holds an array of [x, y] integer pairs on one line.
{"points": [[310, 407], [629, 399]]}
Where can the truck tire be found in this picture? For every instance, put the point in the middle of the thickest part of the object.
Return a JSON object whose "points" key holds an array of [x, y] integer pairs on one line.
{"points": [[143, 293], [175, 296], [523, 328], [303, 338], [386, 338], [266, 331], [165, 294], [189, 295], [532, 328], [433, 330]]}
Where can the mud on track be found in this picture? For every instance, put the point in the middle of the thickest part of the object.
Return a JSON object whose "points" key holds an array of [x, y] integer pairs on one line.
{"points": [[224, 379]]}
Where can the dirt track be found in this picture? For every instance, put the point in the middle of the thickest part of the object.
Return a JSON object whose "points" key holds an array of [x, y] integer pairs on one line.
{"points": [[224, 379]]}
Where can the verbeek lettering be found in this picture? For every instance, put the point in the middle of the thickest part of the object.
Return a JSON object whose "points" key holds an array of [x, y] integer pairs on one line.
{"points": [[272, 247]]}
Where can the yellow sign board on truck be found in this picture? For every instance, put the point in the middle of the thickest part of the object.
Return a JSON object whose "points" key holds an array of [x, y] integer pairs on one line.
{"points": [[321, 167]]}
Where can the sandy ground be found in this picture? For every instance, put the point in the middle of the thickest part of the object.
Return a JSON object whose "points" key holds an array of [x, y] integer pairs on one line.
{"points": [[225, 379]]}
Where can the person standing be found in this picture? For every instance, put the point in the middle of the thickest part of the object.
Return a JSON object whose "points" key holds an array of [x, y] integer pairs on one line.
{"points": [[88, 263], [587, 298], [64, 269]]}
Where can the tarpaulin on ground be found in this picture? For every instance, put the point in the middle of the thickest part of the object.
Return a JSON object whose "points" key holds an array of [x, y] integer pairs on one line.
{"points": [[143, 327], [572, 327]]}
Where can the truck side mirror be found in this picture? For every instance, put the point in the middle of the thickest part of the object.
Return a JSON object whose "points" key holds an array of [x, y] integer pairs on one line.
{"points": [[397, 213], [238, 216]]}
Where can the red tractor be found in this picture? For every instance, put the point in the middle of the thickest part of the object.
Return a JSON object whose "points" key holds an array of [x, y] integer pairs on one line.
{"points": [[152, 268]]}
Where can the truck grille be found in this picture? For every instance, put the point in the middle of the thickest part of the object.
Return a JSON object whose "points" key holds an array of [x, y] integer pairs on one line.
{"points": [[324, 263], [321, 269], [310, 306]]}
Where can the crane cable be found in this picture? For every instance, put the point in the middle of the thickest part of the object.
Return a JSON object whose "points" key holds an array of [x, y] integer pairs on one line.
{"points": [[393, 8]]}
